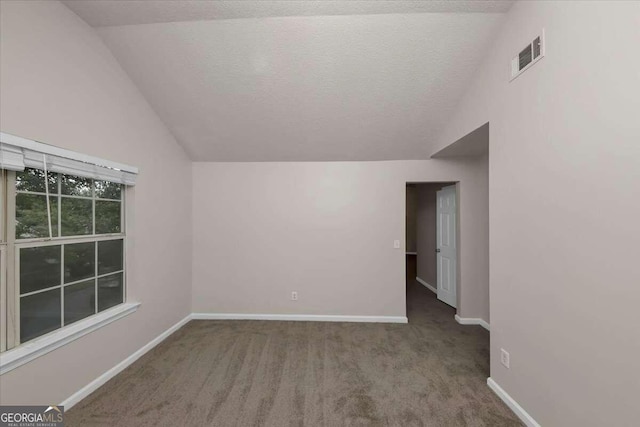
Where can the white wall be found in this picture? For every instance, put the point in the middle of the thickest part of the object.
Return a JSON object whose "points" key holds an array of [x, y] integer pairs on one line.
{"points": [[564, 202], [326, 230], [59, 84]]}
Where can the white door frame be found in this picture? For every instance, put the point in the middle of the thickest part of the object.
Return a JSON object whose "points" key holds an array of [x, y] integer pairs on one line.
{"points": [[456, 185]]}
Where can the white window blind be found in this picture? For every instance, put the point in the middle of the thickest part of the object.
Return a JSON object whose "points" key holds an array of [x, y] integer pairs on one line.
{"points": [[16, 153], [11, 158]]}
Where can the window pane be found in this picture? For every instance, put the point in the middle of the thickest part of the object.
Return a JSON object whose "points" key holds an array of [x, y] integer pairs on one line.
{"points": [[109, 291], [107, 190], [79, 301], [31, 216], [76, 186], [39, 314], [39, 268], [33, 180], [79, 261], [107, 217], [109, 256], [76, 217]]}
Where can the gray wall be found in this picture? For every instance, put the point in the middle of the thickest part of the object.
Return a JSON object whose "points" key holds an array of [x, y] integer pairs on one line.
{"points": [[59, 84], [411, 218], [426, 232], [324, 229], [564, 209]]}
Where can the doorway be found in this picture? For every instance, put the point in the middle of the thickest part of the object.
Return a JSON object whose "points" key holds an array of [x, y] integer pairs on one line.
{"points": [[432, 239]]}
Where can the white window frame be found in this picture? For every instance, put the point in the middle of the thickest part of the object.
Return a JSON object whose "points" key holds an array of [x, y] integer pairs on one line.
{"points": [[61, 285], [3, 297], [13, 338], [12, 352], [3, 266]]}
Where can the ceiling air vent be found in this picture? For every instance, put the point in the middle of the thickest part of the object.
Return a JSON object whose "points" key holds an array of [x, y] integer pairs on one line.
{"points": [[527, 56]]}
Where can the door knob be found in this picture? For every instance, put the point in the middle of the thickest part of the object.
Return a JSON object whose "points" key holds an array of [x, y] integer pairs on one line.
{"points": [[437, 250]]}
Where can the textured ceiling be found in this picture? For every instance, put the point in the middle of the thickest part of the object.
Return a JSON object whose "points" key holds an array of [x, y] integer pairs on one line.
{"points": [[369, 87], [102, 13]]}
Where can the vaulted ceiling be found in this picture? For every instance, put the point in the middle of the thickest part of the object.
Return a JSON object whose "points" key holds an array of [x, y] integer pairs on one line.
{"points": [[299, 80]]}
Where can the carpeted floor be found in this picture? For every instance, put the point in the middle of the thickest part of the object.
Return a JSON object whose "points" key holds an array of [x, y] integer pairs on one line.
{"points": [[431, 372]]}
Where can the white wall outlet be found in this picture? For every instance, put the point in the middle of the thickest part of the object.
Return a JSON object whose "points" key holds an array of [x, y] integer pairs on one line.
{"points": [[396, 244], [294, 296], [504, 357]]}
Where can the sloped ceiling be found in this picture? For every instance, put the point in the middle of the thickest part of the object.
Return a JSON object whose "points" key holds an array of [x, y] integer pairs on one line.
{"points": [[106, 13], [475, 143], [299, 88]]}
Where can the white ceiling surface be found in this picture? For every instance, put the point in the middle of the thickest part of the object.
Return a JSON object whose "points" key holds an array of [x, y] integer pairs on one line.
{"points": [[103, 13], [475, 143], [359, 87]]}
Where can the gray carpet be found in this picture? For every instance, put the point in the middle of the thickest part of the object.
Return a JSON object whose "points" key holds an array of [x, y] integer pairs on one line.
{"points": [[431, 372]]}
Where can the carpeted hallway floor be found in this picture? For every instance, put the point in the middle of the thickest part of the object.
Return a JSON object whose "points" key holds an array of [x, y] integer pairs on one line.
{"points": [[431, 372]]}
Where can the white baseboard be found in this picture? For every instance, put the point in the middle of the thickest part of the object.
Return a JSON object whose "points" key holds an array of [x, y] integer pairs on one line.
{"points": [[299, 317], [472, 321], [512, 404], [425, 284], [102, 379]]}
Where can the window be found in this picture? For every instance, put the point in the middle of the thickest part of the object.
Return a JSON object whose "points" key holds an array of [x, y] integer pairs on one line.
{"points": [[62, 239], [68, 252]]}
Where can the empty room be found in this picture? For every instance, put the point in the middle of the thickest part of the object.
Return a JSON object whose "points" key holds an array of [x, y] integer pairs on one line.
{"points": [[319, 213]]}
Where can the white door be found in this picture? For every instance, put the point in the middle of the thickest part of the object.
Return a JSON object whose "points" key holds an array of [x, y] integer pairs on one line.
{"points": [[447, 253]]}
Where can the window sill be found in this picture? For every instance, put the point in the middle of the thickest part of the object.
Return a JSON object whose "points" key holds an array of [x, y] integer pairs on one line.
{"points": [[25, 353]]}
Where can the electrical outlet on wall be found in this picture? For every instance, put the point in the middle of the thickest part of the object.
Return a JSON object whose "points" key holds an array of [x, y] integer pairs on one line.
{"points": [[504, 357], [396, 244], [294, 296]]}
